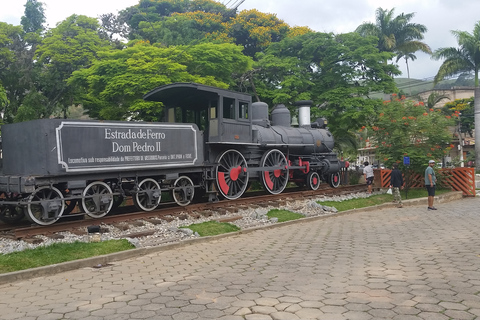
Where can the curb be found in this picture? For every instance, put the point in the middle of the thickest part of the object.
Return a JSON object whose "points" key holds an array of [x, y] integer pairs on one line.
{"points": [[104, 260]]}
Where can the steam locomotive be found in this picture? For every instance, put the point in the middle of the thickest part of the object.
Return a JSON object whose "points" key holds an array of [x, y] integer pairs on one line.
{"points": [[213, 143]]}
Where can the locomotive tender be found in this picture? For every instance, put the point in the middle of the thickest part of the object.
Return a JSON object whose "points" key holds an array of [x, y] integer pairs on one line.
{"points": [[214, 142]]}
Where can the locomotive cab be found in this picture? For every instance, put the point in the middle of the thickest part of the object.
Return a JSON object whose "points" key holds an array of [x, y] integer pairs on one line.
{"points": [[222, 115]]}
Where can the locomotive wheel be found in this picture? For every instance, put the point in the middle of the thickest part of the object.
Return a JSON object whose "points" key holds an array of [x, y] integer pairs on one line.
{"points": [[148, 195], [183, 191], [11, 214], [232, 175], [334, 180], [97, 199], [274, 180], [313, 180], [45, 205]]}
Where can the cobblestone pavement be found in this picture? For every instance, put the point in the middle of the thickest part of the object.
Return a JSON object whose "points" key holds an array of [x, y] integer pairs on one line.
{"points": [[405, 263]]}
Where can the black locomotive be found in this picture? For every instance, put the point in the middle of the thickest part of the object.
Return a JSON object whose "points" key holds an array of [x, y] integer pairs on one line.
{"points": [[213, 142]]}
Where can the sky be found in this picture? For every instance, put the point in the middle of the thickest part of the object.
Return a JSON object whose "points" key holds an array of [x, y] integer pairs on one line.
{"points": [[339, 16]]}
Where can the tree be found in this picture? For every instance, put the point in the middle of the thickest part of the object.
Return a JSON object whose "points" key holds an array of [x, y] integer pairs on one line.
{"points": [[147, 19], [396, 34], [464, 108], [112, 88], [34, 17], [13, 75], [18, 72], [404, 128], [462, 60], [183, 28], [406, 56], [3, 97], [255, 30], [225, 61], [74, 44], [337, 72]]}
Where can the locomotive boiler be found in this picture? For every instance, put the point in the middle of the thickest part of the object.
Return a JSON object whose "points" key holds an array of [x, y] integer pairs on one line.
{"points": [[213, 142]]}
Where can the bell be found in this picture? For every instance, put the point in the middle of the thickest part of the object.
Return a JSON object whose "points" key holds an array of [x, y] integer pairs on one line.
{"points": [[295, 121]]}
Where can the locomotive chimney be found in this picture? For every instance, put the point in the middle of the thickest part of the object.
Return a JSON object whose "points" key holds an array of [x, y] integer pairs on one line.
{"points": [[304, 112]]}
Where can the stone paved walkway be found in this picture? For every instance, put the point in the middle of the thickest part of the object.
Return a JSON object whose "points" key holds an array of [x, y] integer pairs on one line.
{"points": [[400, 264]]}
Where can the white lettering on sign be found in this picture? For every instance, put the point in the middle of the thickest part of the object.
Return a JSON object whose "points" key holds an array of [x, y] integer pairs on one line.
{"points": [[134, 146], [140, 134]]}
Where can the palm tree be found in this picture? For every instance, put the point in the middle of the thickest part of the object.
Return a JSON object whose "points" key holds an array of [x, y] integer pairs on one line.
{"points": [[462, 60], [396, 34], [406, 56]]}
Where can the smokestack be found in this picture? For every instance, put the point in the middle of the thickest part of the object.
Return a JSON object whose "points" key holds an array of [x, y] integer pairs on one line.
{"points": [[304, 112]]}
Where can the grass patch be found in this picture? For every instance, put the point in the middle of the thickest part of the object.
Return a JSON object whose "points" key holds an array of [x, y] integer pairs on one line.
{"points": [[212, 228], [59, 252], [284, 215], [378, 199]]}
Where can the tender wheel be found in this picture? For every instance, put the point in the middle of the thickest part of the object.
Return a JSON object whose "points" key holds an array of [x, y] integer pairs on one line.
{"points": [[45, 205], [148, 195], [275, 180], [11, 214], [232, 175], [97, 199], [183, 191], [334, 180], [313, 180]]}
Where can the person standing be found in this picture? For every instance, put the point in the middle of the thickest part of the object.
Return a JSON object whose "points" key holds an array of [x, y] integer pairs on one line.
{"points": [[430, 182], [368, 173], [396, 183]]}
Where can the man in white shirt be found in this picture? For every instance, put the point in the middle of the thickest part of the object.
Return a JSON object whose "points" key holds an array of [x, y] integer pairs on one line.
{"points": [[368, 174]]}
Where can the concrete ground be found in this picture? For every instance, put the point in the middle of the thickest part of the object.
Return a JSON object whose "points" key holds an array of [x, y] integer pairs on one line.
{"points": [[387, 263]]}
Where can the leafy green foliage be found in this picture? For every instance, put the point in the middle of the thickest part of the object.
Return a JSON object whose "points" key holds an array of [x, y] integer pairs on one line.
{"points": [[182, 28], [462, 60], [112, 88], [12, 49], [464, 108], [337, 72], [255, 30], [34, 17], [395, 33], [72, 45], [59, 252], [404, 128], [173, 22], [225, 62], [3, 97]]}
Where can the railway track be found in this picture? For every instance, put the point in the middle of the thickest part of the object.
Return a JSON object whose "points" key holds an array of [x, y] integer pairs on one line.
{"points": [[127, 214]]}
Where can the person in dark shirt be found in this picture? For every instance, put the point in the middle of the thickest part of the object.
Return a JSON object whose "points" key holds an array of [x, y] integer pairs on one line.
{"points": [[396, 183]]}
